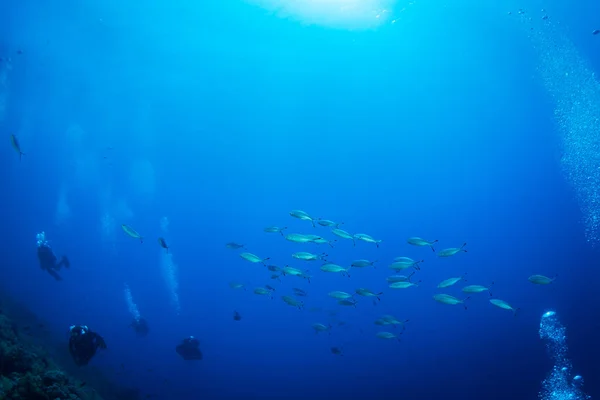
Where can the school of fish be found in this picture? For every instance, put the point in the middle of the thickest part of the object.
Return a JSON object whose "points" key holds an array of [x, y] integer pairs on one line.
{"points": [[396, 281]]}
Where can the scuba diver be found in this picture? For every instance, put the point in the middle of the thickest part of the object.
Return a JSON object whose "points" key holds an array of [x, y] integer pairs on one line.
{"points": [[189, 349], [47, 258], [140, 326], [83, 344]]}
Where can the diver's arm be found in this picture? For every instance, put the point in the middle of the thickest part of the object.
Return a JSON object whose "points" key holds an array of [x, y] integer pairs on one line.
{"points": [[100, 341], [64, 262]]}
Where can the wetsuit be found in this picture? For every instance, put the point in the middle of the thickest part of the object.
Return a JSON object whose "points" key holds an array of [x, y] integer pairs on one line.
{"points": [[140, 326], [83, 344], [189, 349], [48, 262]]}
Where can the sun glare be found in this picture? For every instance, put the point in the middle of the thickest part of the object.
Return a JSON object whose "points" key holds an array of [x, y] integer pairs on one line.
{"points": [[348, 14]]}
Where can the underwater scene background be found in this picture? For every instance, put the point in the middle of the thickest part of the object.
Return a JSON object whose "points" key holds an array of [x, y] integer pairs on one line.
{"points": [[204, 123]]}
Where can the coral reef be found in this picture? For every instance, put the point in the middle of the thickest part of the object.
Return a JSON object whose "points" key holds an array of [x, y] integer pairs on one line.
{"points": [[35, 362], [26, 371]]}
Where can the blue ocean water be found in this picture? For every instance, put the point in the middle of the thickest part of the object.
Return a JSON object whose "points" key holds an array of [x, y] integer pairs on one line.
{"points": [[206, 122]]}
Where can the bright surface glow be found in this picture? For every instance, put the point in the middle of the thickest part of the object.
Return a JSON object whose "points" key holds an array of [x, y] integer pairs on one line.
{"points": [[350, 14]]}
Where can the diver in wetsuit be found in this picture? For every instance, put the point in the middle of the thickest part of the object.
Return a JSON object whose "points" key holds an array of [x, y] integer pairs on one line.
{"points": [[189, 349], [83, 344], [47, 258], [140, 326]]}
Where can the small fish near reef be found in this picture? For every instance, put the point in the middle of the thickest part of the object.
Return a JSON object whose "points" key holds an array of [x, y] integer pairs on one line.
{"points": [[14, 142], [163, 243], [337, 351]]}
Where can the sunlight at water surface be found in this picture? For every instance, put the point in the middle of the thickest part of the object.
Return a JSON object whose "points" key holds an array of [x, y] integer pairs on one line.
{"points": [[347, 14]]}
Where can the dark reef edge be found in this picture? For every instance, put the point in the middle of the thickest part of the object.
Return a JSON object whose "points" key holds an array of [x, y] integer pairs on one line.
{"points": [[34, 364]]}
